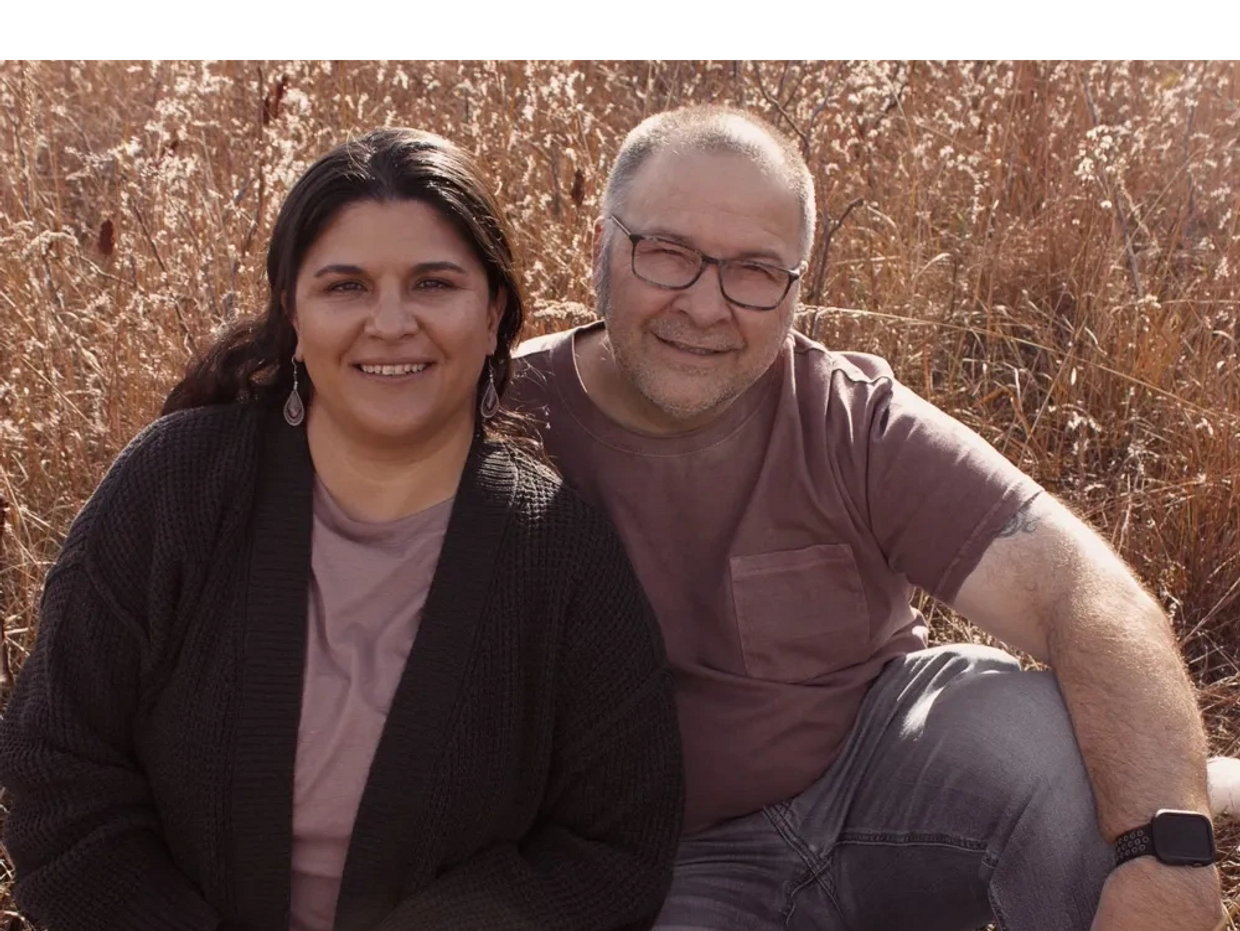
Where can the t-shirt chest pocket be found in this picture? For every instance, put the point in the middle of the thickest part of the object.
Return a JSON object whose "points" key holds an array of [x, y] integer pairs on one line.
{"points": [[801, 613]]}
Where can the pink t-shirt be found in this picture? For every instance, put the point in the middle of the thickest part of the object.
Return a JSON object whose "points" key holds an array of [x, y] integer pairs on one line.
{"points": [[368, 585], [780, 545]]}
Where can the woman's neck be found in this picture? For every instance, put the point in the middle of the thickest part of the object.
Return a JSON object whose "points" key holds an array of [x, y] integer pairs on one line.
{"points": [[378, 484]]}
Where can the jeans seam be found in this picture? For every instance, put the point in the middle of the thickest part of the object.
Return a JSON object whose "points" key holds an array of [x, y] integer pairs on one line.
{"points": [[1000, 915], [814, 875], [899, 838], [784, 828], [815, 866]]}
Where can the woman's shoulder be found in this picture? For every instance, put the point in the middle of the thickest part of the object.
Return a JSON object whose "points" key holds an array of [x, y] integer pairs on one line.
{"points": [[189, 446], [175, 472], [532, 469], [189, 432], [572, 546], [553, 512], [542, 491]]}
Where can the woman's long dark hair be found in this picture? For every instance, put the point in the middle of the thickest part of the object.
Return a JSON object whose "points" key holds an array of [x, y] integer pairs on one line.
{"points": [[253, 358]]}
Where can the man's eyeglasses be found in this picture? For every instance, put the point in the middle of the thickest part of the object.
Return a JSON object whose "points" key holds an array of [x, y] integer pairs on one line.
{"points": [[746, 283]]}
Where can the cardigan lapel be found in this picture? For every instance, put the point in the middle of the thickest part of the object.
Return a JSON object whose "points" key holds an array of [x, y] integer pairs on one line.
{"points": [[271, 677], [389, 835]]}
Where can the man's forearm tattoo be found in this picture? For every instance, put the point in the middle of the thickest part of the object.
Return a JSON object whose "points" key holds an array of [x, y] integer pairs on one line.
{"points": [[1021, 522]]}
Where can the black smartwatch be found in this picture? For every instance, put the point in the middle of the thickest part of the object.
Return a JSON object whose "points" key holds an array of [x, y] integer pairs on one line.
{"points": [[1177, 838]]}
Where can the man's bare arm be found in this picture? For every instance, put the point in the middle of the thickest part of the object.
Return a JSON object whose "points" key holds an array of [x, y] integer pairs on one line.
{"points": [[1050, 586]]}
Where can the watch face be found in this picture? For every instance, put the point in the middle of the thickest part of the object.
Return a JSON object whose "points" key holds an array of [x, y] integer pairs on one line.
{"points": [[1183, 837]]}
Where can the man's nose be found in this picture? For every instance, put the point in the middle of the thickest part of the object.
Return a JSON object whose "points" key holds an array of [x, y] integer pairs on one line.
{"points": [[704, 302]]}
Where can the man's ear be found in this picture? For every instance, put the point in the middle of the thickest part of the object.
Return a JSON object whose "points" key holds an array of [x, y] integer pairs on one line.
{"points": [[598, 238]]}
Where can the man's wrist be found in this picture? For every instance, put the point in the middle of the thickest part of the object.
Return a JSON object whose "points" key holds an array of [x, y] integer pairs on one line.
{"points": [[1195, 893]]}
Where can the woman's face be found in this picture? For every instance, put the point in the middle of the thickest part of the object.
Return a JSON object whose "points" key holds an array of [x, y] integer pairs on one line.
{"points": [[394, 323]]}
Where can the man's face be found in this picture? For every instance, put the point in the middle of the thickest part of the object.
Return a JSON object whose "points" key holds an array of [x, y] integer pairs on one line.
{"points": [[687, 354]]}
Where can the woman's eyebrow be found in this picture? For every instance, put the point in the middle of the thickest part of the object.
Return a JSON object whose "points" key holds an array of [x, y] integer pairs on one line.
{"points": [[443, 265], [421, 268], [337, 269]]}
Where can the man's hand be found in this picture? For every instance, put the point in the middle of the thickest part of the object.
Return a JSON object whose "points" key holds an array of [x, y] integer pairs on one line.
{"points": [[1145, 895]]}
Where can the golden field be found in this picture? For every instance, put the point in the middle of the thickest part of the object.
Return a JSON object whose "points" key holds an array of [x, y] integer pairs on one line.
{"points": [[1049, 251]]}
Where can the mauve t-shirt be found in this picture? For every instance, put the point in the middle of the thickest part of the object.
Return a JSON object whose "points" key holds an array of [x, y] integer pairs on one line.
{"points": [[368, 585], [779, 546]]}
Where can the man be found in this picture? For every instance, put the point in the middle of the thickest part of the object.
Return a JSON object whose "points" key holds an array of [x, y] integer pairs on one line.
{"points": [[779, 501]]}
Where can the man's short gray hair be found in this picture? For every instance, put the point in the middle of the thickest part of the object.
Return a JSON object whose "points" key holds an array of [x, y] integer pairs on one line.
{"points": [[712, 128]]}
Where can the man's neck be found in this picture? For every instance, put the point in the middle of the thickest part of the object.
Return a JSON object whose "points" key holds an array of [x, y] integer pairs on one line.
{"points": [[377, 484]]}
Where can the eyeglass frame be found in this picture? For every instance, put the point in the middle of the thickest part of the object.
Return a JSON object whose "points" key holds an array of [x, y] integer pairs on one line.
{"points": [[794, 274]]}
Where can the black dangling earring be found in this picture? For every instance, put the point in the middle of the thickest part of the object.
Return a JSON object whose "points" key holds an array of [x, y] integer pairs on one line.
{"points": [[294, 409], [489, 406]]}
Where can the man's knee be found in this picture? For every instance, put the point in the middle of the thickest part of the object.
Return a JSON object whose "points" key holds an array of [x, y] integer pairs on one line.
{"points": [[1009, 739], [932, 669], [1002, 726]]}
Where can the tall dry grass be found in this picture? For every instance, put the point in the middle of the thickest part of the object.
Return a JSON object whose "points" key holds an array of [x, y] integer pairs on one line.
{"points": [[1050, 251]]}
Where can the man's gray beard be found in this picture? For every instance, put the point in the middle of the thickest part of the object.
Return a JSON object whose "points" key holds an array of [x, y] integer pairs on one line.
{"points": [[636, 372]]}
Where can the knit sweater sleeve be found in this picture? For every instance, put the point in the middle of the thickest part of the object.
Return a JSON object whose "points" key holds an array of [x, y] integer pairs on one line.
{"points": [[601, 856], [82, 830], [82, 833]]}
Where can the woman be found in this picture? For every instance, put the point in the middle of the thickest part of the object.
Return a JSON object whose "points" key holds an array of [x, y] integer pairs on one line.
{"points": [[324, 650]]}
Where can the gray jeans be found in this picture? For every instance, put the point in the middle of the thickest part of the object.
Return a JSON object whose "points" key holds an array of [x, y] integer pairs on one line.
{"points": [[960, 799]]}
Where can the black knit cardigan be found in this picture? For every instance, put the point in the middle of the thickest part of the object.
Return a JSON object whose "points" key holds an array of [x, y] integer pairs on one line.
{"points": [[529, 773]]}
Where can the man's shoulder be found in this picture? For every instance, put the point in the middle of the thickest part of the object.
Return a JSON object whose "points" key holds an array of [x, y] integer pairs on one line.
{"points": [[863, 387], [537, 348], [534, 360], [859, 368], [840, 380], [535, 364], [560, 324]]}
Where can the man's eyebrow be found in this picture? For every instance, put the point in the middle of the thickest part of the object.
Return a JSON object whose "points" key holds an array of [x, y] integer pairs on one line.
{"points": [[768, 255], [442, 265]]}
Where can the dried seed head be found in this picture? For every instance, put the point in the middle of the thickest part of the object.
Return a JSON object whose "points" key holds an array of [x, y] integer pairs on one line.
{"points": [[107, 237], [578, 191]]}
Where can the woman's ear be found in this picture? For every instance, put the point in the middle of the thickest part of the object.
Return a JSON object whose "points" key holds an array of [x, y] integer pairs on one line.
{"points": [[292, 319], [495, 313]]}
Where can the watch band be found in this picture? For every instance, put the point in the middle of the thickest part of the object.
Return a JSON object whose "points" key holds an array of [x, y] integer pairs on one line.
{"points": [[1173, 837], [1133, 844]]}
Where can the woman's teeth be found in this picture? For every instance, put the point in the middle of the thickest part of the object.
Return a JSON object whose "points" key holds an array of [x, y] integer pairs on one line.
{"points": [[407, 369]]}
